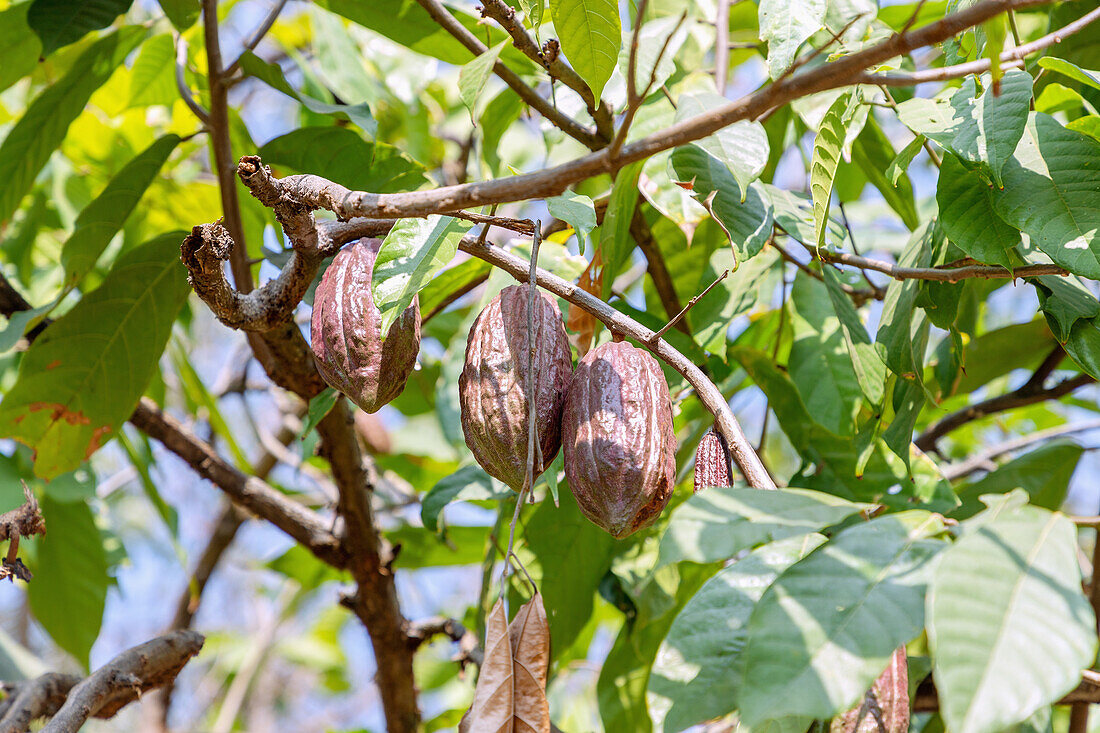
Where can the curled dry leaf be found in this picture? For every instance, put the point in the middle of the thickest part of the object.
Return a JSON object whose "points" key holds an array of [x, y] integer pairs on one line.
{"points": [[580, 322], [885, 707]]}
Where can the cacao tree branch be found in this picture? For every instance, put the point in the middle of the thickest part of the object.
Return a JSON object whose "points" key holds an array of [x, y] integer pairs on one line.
{"points": [[983, 461], [655, 265], [845, 71], [566, 124], [30, 700]]}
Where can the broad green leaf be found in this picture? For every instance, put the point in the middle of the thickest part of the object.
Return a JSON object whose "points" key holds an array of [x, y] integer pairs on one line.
{"points": [[450, 281], [1052, 193], [422, 548], [998, 352], [658, 43], [412, 253], [152, 80], [904, 159], [838, 615], [469, 483], [786, 25], [103, 217], [340, 155], [616, 243], [968, 218], [980, 129], [475, 74], [82, 377], [19, 46], [899, 320], [794, 213], [253, 65], [1043, 473], [1083, 345], [1065, 300], [573, 556], [873, 152], [696, 675], [820, 364], [43, 126], [826, 158], [69, 589], [61, 22], [718, 523], [319, 406], [869, 368], [742, 147], [1073, 71], [1008, 590], [734, 296], [182, 13], [747, 224], [577, 211], [590, 33]]}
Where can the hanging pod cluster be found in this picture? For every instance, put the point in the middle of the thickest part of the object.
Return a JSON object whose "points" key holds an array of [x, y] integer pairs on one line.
{"points": [[613, 416]]}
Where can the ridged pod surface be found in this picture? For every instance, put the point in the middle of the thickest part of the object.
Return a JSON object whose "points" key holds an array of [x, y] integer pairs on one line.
{"points": [[620, 450], [493, 386], [712, 465], [347, 338], [887, 701]]}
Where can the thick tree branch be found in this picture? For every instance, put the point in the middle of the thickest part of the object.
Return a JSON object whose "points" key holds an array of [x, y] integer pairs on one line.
{"points": [[844, 71], [569, 126], [122, 680], [30, 700]]}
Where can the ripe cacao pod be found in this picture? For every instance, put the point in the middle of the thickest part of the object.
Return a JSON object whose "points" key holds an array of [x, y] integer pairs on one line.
{"points": [[493, 386], [712, 463], [348, 343], [885, 707], [620, 450]]}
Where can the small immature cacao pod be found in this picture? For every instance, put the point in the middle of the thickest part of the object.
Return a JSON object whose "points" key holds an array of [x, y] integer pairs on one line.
{"points": [[348, 343], [493, 387], [885, 707], [620, 450], [712, 464]]}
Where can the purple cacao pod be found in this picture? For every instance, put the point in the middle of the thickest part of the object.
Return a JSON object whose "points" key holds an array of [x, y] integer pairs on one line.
{"points": [[348, 343], [620, 450], [712, 463], [885, 707], [493, 387]]}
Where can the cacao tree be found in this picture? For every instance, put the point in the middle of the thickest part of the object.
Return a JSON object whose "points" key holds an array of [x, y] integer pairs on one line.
{"points": [[571, 365]]}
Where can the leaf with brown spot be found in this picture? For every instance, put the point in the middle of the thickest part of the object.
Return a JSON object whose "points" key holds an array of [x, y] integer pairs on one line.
{"points": [[493, 707], [530, 638]]}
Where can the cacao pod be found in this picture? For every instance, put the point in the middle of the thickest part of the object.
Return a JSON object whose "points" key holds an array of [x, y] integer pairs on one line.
{"points": [[348, 344], [712, 464], [885, 707], [493, 386], [620, 450]]}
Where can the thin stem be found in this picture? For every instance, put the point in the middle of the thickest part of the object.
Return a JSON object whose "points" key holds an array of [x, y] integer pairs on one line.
{"points": [[258, 35], [722, 46], [691, 303]]}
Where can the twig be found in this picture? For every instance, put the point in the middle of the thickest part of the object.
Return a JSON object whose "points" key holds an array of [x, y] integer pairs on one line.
{"points": [[25, 521], [569, 126], [1008, 58], [523, 226], [691, 303], [983, 461], [858, 296], [939, 274], [722, 46], [181, 82], [258, 35], [932, 154]]}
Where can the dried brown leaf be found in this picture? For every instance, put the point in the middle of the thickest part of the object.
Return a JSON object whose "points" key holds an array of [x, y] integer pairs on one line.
{"points": [[580, 322], [530, 637], [885, 707], [493, 706]]}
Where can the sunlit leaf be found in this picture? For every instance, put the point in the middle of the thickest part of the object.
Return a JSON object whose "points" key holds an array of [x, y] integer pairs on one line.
{"points": [[589, 31], [61, 22]]}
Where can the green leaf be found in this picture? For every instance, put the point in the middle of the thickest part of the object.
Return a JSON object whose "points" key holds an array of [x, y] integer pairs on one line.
{"points": [[820, 364], [742, 147], [874, 154], [904, 159], [658, 43], [340, 155], [1065, 300], [1043, 473], [453, 279], [422, 548], [19, 46], [869, 368], [152, 80], [748, 224], [82, 377], [838, 616], [827, 145], [412, 253], [616, 243], [590, 33], [17, 325], [1052, 193], [786, 26], [253, 65], [696, 675], [1083, 346], [474, 75], [734, 296], [319, 406], [1073, 71], [69, 589], [573, 555], [533, 10], [469, 483], [997, 352], [968, 217], [32, 140], [899, 320], [61, 22], [1008, 590], [103, 217], [577, 211], [794, 213], [718, 523], [981, 129], [182, 13]]}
